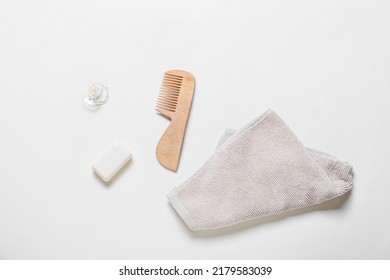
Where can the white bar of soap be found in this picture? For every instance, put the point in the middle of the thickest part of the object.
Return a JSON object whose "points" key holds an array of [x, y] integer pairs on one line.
{"points": [[111, 161]]}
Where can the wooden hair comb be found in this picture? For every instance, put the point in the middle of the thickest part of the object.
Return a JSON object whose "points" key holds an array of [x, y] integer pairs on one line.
{"points": [[174, 102]]}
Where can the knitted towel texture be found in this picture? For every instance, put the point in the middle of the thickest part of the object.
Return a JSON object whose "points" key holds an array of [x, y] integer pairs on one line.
{"points": [[260, 170]]}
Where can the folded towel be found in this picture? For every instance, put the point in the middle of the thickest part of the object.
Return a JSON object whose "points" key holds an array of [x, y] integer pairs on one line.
{"points": [[261, 169]]}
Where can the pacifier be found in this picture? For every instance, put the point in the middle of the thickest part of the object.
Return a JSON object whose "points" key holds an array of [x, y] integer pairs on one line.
{"points": [[97, 94]]}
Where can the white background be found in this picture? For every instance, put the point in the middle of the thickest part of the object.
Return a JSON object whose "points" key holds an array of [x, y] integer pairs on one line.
{"points": [[324, 66]]}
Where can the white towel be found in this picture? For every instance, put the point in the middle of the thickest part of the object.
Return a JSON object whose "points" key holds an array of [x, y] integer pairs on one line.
{"points": [[260, 170]]}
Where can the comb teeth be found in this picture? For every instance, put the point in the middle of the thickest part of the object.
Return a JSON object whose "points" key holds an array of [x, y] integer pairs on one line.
{"points": [[169, 92]]}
